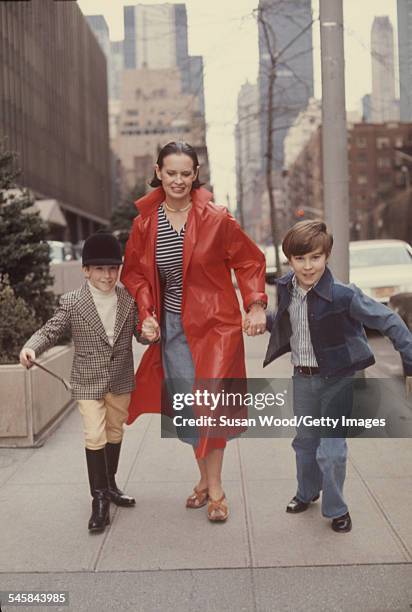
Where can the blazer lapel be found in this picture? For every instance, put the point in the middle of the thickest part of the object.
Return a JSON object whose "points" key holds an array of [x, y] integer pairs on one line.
{"points": [[124, 304], [88, 311]]}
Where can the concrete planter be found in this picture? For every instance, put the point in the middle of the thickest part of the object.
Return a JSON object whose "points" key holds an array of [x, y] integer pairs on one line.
{"points": [[33, 402]]}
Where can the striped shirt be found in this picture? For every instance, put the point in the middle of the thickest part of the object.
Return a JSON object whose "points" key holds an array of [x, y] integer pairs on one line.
{"points": [[300, 342], [169, 259]]}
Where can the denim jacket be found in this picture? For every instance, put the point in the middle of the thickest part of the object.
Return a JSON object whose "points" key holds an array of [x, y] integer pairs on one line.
{"points": [[336, 316]]}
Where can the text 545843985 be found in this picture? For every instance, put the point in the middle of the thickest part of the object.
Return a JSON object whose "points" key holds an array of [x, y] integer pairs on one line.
{"points": [[34, 598]]}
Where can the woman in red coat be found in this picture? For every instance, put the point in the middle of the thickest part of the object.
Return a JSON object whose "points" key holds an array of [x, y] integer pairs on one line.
{"points": [[177, 266]]}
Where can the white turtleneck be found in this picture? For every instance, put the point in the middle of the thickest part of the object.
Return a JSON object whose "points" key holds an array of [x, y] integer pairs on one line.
{"points": [[106, 306]]}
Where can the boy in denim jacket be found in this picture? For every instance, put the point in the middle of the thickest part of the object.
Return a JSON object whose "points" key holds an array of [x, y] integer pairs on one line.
{"points": [[321, 321]]}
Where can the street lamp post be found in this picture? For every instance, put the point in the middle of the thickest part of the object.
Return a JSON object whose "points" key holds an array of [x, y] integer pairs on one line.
{"points": [[334, 138]]}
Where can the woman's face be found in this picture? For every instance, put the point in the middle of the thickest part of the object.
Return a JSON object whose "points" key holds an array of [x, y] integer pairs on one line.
{"points": [[177, 175]]}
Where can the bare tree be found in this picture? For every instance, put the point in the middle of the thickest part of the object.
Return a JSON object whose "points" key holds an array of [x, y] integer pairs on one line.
{"points": [[239, 179], [274, 57]]}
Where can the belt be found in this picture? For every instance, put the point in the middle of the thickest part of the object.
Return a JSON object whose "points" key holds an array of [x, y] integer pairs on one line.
{"points": [[308, 370]]}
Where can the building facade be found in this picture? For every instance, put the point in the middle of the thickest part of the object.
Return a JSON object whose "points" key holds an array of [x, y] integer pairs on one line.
{"points": [[249, 179], [162, 93], [405, 58], [100, 29], [116, 66], [53, 108], [284, 25], [156, 38], [302, 128], [376, 174], [154, 111], [114, 58], [383, 102]]}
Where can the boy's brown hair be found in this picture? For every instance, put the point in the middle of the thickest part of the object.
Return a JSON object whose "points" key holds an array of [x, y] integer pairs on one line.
{"points": [[307, 236]]}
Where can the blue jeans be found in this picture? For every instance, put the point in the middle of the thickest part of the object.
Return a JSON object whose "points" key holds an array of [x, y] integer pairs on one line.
{"points": [[321, 460], [178, 369]]}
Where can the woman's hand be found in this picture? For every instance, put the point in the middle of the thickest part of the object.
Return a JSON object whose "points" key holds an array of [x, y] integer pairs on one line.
{"points": [[150, 329], [254, 323]]}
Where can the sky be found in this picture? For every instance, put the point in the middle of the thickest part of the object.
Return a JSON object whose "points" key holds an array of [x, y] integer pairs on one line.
{"points": [[224, 32]]}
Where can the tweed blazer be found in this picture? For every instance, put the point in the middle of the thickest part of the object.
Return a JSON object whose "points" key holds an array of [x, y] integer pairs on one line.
{"points": [[97, 366]]}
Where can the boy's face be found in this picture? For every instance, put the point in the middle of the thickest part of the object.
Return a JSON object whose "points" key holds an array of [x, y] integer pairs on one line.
{"points": [[103, 278], [308, 268]]}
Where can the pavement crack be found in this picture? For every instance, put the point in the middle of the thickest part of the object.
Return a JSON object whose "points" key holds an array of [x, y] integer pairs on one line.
{"points": [[248, 527], [404, 548]]}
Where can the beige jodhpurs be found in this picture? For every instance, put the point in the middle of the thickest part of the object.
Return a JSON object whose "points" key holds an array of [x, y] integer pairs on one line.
{"points": [[103, 419]]}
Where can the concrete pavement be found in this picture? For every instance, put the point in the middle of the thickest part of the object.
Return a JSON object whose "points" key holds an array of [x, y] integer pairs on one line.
{"points": [[161, 556]]}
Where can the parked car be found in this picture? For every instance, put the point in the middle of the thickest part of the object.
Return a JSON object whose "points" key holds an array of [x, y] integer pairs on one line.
{"points": [[381, 268], [61, 251]]}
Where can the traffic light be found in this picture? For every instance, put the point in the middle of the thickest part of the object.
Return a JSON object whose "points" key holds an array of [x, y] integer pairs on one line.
{"points": [[299, 213]]}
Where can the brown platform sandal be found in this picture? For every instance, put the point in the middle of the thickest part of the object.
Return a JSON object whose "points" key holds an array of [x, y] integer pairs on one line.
{"points": [[198, 499], [217, 510]]}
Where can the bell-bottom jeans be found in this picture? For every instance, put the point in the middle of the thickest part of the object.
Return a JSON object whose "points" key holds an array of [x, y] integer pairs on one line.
{"points": [[321, 452]]}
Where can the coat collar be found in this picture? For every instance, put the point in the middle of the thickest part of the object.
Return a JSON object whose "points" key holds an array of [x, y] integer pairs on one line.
{"points": [[148, 206], [323, 287], [149, 203]]}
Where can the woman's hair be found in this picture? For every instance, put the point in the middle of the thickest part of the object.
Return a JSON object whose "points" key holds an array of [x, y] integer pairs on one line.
{"points": [[178, 148], [307, 236]]}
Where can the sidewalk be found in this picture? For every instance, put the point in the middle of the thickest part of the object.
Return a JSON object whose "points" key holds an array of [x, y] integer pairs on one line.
{"points": [[161, 556]]}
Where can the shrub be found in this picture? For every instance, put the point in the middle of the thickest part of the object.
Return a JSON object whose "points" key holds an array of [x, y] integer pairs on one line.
{"points": [[24, 252], [17, 323]]}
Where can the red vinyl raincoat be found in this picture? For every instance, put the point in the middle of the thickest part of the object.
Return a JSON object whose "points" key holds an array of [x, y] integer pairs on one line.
{"points": [[214, 244]]}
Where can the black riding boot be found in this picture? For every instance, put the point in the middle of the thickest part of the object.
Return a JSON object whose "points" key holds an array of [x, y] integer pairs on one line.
{"points": [[96, 467], [112, 459]]}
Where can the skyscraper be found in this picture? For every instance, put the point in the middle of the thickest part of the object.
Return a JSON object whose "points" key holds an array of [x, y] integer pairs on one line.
{"points": [[101, 30], [156, 38], [284, 29], [112, 50], [367, 108], [384, 107], [405, 57]]}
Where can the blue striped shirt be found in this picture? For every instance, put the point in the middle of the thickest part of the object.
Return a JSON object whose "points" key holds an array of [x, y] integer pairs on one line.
{"points": [[300, 341]]}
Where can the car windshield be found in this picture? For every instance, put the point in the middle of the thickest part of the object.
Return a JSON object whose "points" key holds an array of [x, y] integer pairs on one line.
{"points": [[379, 256], [56, 251]]}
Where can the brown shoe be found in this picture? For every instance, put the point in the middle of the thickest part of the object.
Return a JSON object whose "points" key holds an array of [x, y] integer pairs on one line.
{"points": [[217, 510], [198, 499]]}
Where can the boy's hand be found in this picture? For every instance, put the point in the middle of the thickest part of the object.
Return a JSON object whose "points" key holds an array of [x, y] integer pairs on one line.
{"points": [[150, 329], [27, 356], [408, 386], [254, 323]]}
